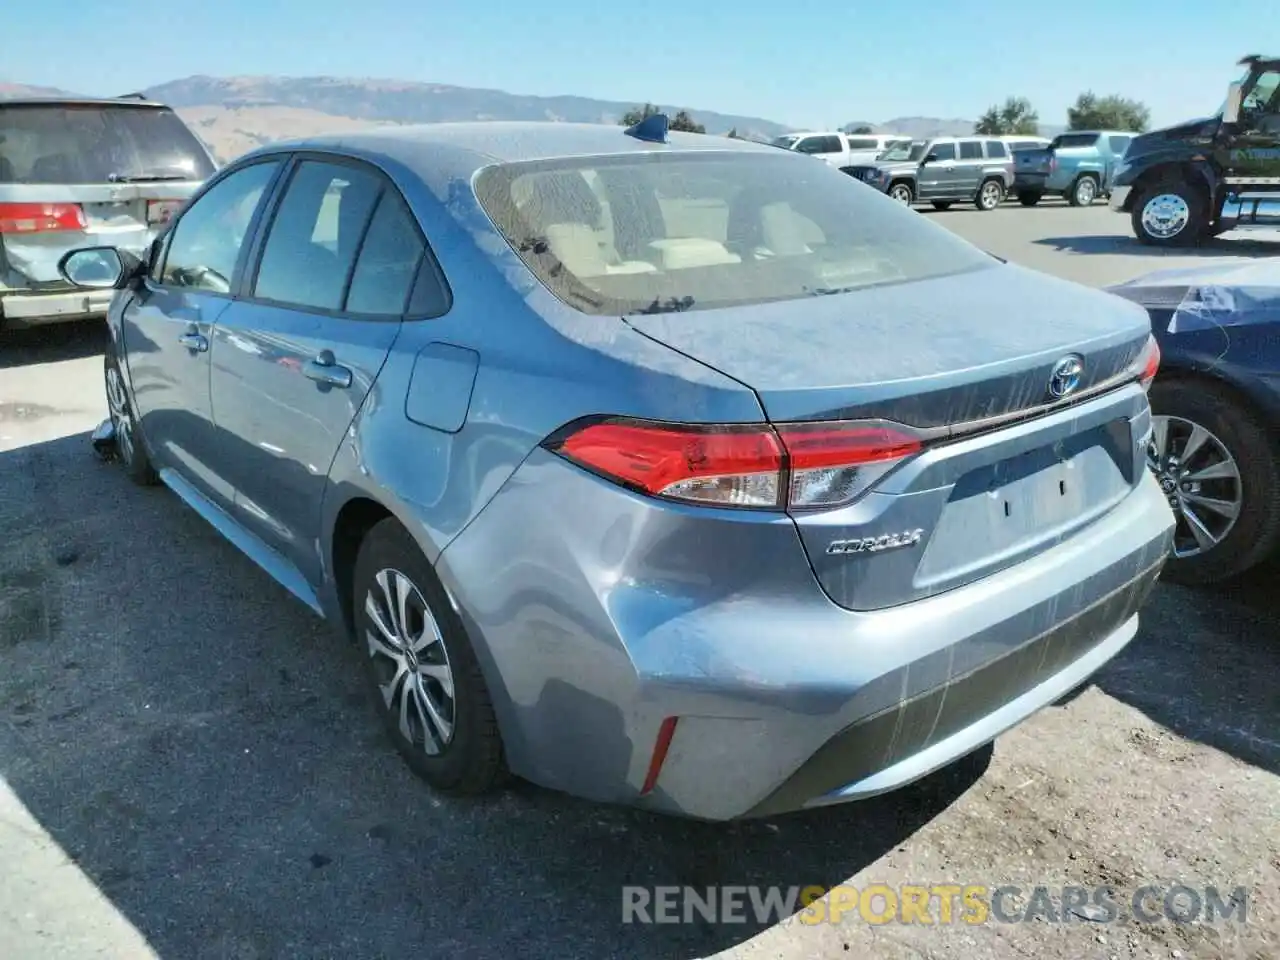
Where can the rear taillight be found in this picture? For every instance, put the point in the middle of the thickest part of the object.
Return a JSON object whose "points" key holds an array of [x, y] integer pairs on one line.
{"points": [[1148, 363], [40, 217], [790, 466]]}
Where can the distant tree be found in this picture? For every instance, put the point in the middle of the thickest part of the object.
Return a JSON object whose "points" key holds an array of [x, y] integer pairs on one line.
{"points": [[862, 129], [632, 117], [1112, 112], [1014, 116], [681, 121]]}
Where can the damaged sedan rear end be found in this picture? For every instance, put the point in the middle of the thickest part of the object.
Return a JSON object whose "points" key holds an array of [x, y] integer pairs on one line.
{"points": [[77, 173]]}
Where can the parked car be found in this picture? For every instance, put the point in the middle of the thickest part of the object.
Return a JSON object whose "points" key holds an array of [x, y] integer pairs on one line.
{"points": [[657, 468], [1216, 442], [1187, 183], [1078, 165], [943, 171], [75, 172], [838, 149]]}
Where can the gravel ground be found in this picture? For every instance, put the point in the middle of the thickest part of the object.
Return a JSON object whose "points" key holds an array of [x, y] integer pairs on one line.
{"points": [[188, 768]]}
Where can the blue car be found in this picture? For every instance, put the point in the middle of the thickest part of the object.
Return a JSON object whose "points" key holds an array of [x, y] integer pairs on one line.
{"points": [[658, 468], [1216, 442]]}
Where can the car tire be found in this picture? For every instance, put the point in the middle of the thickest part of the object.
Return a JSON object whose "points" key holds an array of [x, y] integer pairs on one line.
{"points": [[1084, 191], [452, 739], [1179, 407], [902, 192], [1029, 198], [990, 195], [942, 204], [1170, 213], [130, 446]]}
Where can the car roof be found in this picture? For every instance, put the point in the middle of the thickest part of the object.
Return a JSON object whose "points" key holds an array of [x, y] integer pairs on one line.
{"points": [[132, 100], [477, 144]]}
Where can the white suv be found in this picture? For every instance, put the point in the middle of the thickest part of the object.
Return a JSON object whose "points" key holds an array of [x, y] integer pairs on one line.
{"points": [[839, 149]]}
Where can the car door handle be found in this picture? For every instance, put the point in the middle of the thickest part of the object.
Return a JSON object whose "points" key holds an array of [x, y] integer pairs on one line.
{"points": [[324, 369], [194, 341]]}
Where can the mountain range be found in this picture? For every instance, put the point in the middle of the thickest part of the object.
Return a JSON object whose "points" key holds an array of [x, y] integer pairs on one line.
{"points": [[236, 114]]}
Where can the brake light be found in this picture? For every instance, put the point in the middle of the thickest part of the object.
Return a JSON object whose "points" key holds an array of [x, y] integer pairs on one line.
{"points": [[793, 465], [1149, 360], [40, 217]]}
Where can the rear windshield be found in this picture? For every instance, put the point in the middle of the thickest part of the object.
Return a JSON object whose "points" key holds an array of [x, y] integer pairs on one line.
{"points": [[1073, 140], [69, 143], [666, 232]]}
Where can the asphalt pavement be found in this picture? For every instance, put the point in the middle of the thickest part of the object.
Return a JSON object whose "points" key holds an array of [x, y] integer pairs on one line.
{"points": [[189, 769]]}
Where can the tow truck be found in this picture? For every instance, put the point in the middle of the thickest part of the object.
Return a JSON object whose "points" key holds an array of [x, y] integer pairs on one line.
{"points": [[1187, 183]]}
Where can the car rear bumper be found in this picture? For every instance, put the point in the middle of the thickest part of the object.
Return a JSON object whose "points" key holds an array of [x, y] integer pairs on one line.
{"points": [[1030, 182], [597, 615], [36, 309]]}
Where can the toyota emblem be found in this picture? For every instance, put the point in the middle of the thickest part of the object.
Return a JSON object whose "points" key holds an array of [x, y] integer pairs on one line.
{"points": [[1065, 378]]}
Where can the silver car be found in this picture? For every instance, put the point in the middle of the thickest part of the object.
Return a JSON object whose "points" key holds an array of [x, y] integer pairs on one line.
{"points": [[77, 172], [662, 469]]}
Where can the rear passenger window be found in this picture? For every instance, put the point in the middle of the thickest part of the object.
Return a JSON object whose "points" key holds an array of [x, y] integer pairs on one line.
{"points": [[970, 150], [315, 235], [943, 151], [829, 145], [430, 297], [996, 150], [388, 261], [1118, 144]]}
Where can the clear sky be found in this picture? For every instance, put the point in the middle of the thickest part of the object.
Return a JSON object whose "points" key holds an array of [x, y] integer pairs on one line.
{"points": [[816, 63]]}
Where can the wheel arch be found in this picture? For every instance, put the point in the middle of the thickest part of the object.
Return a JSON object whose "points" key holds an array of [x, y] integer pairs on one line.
{"points": [[1185, 170], [1232, 389]]}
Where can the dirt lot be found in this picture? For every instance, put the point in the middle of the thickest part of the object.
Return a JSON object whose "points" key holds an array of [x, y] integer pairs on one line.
{"points": [[188, 768]]}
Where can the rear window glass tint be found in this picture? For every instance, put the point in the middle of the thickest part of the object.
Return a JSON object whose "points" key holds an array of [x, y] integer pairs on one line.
{"points": [[96, 144], [1069, 140], [996, 150], [387, 263], [970, 150], [863, 143], [648, 233]]}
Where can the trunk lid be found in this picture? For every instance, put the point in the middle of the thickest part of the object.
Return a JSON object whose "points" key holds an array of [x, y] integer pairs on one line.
{"points": [[1032, 162], [968, 360]]}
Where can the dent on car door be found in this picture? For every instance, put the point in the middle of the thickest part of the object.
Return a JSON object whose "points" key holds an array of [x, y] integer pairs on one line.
{"points": [[295, 358], [166, 327]]}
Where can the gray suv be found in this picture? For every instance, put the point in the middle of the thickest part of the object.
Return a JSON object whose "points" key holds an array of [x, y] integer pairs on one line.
{"points": [[75, 172], [942, 170]]}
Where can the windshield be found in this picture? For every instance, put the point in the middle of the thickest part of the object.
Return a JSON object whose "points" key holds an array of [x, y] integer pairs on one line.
{"points": [[785, 142], [94, 143], [892, 145], [905, 150], [650, 232]]}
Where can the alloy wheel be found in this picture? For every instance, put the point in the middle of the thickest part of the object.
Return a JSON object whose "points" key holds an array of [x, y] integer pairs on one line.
{"points": [[1165, 215], [121, 417], [991, 195], [412, 664], [1086, 191], [901, 193], [1200, 479]]}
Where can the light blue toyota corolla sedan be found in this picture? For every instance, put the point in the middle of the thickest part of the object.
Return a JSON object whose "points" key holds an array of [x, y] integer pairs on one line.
{"points": [[657, 468]]}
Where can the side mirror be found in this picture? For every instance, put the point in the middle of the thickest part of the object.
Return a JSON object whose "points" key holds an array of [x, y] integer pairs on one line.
{"points": [[98, 268], [1235, 96], [929, 158]]}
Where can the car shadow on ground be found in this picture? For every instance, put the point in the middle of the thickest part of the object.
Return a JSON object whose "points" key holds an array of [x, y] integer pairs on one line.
{"points": [[1206, 666], [201, 747], [1114, 245], [51, 344]]}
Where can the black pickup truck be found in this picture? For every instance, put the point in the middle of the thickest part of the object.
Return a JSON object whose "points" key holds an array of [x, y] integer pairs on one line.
{"points": [[1184, 184]]}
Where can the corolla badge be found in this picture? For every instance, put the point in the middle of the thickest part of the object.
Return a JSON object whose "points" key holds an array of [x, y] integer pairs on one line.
{"points": [[886, 541], [1066, 376]]}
